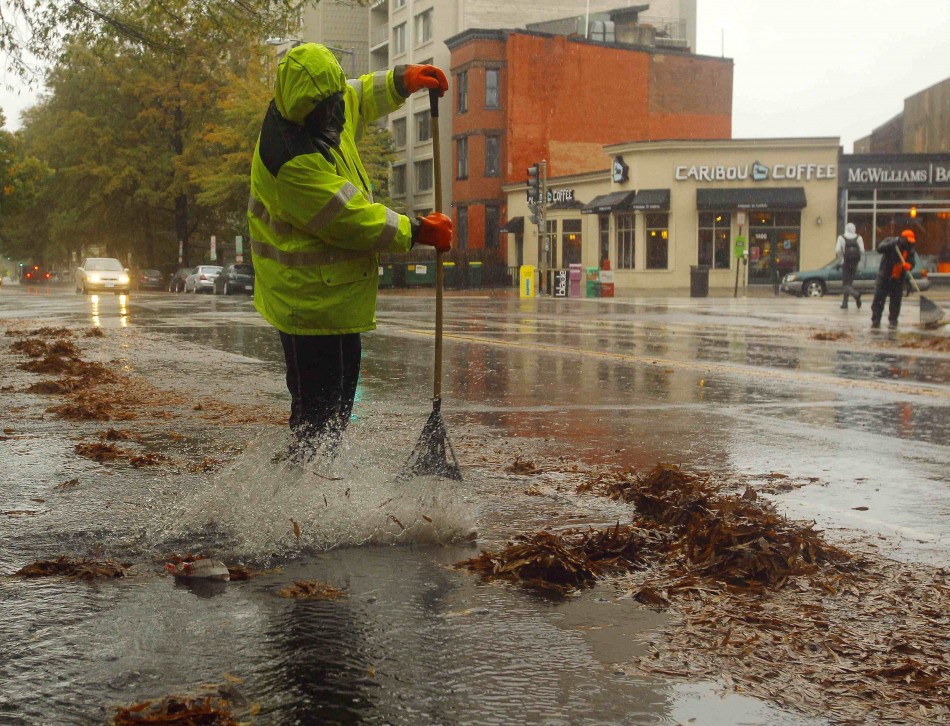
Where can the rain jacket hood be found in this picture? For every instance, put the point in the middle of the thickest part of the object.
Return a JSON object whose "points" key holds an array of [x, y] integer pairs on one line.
{"points": [[850, 232], [307, 75]]}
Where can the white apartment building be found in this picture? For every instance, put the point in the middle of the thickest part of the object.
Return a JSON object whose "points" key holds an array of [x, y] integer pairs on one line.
{"points": [[414, 31], [342, 26]]}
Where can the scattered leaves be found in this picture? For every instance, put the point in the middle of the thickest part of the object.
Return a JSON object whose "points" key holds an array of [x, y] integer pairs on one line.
{"points": [[76, 568], [522, 467], [310, 590]]}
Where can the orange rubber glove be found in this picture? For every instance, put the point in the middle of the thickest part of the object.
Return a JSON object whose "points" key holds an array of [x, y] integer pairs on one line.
{"points": [[416, 78], [907, 266], [434, 230]]}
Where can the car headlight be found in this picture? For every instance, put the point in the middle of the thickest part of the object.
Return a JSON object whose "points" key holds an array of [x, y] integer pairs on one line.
{"points": [[94, 278], [123, 279], [790, 278]]}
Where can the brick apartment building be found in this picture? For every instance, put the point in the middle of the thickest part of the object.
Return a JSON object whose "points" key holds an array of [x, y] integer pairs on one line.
{"points": [[520, 96]]}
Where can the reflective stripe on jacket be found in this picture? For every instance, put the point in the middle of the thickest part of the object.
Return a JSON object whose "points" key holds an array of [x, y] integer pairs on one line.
{"points": [[315, 231]]}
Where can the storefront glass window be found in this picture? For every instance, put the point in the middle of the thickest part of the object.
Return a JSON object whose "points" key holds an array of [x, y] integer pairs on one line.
{"points": [[571, 241], [658, 240], [550, 242], [714, 231], [883, 213], [603, 229], [626, 242]]}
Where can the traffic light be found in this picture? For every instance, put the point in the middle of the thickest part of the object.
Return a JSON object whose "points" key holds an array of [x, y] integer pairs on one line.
{"points": [[534, 184]]}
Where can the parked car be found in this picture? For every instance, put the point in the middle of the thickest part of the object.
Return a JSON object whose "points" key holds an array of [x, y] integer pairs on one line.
{"points": [[201, 278], [176, 282], [827, 280], [105, 274], [236, 277], [147, 280]]}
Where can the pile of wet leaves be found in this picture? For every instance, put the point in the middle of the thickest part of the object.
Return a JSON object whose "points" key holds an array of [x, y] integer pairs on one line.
{"points": [[310, 590], [831, 335], [213, 705], [935, 343], [760, 603], [82, 569]]}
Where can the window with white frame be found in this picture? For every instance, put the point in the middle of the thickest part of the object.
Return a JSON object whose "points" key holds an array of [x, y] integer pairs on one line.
{"points": [[423, 23], [461, 92], [603, 236], [423, 121], [491, 88], [399, 39], [399, 181], [492, 156], [399, 133], [423, 170], [461, 158], [714, 231], [626, 241], [658, 240]]}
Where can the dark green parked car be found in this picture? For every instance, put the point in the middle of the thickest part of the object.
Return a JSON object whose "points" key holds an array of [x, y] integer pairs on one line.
{"points": [[827, 280]]}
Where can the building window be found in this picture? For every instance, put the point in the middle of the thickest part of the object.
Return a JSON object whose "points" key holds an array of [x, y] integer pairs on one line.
{"points": [[626, 242], [423, 175], [424, 27], [491, 88], [399, 181], [399, 39], [399, 133], [714, 231], [461, 155], [658, 240], [492, 226], [423, 126], [603, 232], [461, 233], [461, 92], [492, 156], [550, 242], [571, 241], [399, 4]]}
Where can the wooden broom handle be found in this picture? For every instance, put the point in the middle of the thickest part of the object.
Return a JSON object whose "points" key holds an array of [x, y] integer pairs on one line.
{"points": [[439, 274]]}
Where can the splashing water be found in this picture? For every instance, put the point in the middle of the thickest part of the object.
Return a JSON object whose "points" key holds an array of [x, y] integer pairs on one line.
{"points": [[263, 508]]}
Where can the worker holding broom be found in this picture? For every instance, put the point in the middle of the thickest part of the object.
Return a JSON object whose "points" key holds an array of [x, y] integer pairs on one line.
{"points": [[897, 260], [316, 233]]}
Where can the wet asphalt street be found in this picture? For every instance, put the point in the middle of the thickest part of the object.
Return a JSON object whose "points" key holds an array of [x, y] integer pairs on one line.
{"points": [[857, 424]]}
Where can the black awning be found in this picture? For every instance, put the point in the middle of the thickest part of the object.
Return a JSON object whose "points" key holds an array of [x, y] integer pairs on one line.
{"points": [[648, 199], [606, 203], [515, 225], [764, 198]]}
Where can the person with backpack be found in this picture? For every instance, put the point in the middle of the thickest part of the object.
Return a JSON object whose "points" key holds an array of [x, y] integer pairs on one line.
{"points": [[850, 252], [897, 260]]}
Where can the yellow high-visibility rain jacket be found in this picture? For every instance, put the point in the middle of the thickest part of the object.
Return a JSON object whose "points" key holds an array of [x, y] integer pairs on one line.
{"points": [[316, 233]]}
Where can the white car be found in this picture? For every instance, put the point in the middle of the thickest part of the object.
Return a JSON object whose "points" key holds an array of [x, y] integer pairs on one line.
{"points": [[202, 279], [102, 274]]}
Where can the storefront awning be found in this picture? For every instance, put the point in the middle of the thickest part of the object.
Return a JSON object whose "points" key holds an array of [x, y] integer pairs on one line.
{"points": [[515, 225], [766, 198], [607, 203], [648, 199]]}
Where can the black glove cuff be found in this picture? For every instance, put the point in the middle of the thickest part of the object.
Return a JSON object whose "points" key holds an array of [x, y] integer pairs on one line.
{"points": [[399, 79], [415, 225]]}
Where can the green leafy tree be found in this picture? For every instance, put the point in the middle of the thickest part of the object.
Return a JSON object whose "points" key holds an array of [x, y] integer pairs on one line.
{"points": [[21, 179]]}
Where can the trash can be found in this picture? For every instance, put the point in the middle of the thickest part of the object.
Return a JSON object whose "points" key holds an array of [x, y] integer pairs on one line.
{"points": [[386, 274], [420, 273], [452, 275], [699, 280], [575, 274], [474, 274], [592, 278]]}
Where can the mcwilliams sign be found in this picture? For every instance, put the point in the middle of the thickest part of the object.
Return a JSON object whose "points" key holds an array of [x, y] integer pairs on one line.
{"points": [[898, 173], [756, 172]]}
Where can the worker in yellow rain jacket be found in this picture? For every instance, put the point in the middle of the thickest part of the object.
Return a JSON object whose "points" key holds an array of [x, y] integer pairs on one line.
{"points": [[316, 233]]}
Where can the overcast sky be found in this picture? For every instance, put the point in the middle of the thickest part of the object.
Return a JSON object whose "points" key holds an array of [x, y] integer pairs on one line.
{"points": [[802, 67], [825, 67]]}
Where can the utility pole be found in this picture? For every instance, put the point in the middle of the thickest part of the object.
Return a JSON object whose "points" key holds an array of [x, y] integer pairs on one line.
{"points": [[543, 224]]}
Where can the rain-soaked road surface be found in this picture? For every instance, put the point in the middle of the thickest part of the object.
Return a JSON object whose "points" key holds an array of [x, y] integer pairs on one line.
{"points": [[733, 386]]}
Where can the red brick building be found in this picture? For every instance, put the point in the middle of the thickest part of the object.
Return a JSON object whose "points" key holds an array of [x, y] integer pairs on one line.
{"points": [[521, 96]]}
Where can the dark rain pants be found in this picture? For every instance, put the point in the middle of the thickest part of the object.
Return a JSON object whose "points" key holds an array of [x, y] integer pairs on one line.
{"points": [[890, 288], [322, 373], [847, 282]]}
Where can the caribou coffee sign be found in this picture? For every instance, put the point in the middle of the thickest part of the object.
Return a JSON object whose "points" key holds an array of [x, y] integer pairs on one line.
{"points": [[755, 172]]}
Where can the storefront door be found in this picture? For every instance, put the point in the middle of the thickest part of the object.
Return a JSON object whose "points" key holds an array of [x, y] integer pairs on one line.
{"points": [[774, 246]]}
